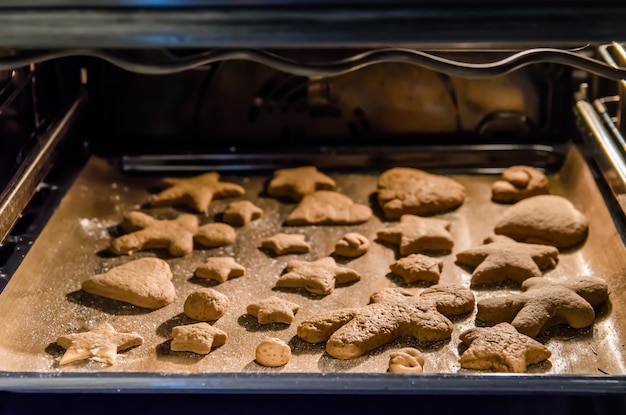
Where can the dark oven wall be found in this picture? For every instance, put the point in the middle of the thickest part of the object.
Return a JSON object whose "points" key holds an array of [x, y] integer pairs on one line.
{"points": [[246, 104]]}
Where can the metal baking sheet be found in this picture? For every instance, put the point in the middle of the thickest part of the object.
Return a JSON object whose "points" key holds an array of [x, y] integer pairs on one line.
{"points": [[43, 299]]}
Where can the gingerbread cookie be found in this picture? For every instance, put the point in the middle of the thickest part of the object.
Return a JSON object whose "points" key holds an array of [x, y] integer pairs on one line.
{"points": [[273, 310], [392, 313], [502, 258], [519, 182], [417, 267], [195, 192], [403, 191], [198, 338], [219, 269], [546, 219], [146, 232], [406, 360], [318, 277], [501, 348], [206, 305], [101, 344], [213, 235], [144, 282], [297, 182], [544, 304], [285, 243], [352, 245], [241, 213], [273, 352], [414, 234], [328, 208]]}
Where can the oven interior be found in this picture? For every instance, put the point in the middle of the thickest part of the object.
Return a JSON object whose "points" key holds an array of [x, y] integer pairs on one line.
{"points": [[242, 117]]}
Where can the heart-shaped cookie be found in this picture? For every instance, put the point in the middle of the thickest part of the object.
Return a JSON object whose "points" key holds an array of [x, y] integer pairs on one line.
{"points": [[404, 190], [145, 282]]}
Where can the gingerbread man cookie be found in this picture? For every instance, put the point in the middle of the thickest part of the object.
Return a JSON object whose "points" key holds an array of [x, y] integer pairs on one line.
{"points": [[147, 232], [392, 313], [544, 304], [195, 192]]}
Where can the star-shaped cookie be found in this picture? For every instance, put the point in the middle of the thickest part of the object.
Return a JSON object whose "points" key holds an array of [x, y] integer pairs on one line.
{"points": [[502, 258], [100, 344], [297, 182], [195, 192], [273, 310], [220, 269], [318, 277], [286, 243], [544, 304], [198, 338], [416, 234], [147, 232], [241, 213], [501, 348]]}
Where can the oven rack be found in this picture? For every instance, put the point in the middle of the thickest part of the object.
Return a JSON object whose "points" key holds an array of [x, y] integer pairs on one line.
{"points": [[172, 64]]}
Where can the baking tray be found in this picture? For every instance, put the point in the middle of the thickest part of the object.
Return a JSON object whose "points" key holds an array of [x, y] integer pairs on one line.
{"points": [[43, 298]]}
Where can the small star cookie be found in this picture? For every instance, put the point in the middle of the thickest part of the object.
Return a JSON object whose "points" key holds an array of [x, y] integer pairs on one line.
{"points": [[406, 360], [147, 232], [144, 282], [325, 207], [213, 235], [100, 344], [241, 213], [195, 192], [417, 267], [502, 258], [544, 304], [352, 245], [319, 277], [519, 182], [198, 338], [297, 182], [286, 243], [501, 348], [415, 234], [392, 313], [220, 269], [273, 310]]}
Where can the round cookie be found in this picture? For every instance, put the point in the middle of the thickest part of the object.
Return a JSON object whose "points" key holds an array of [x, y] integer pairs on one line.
{"points": [[352, 245], [206, 305], [404, 190], [545, 219], [273, 352]]}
